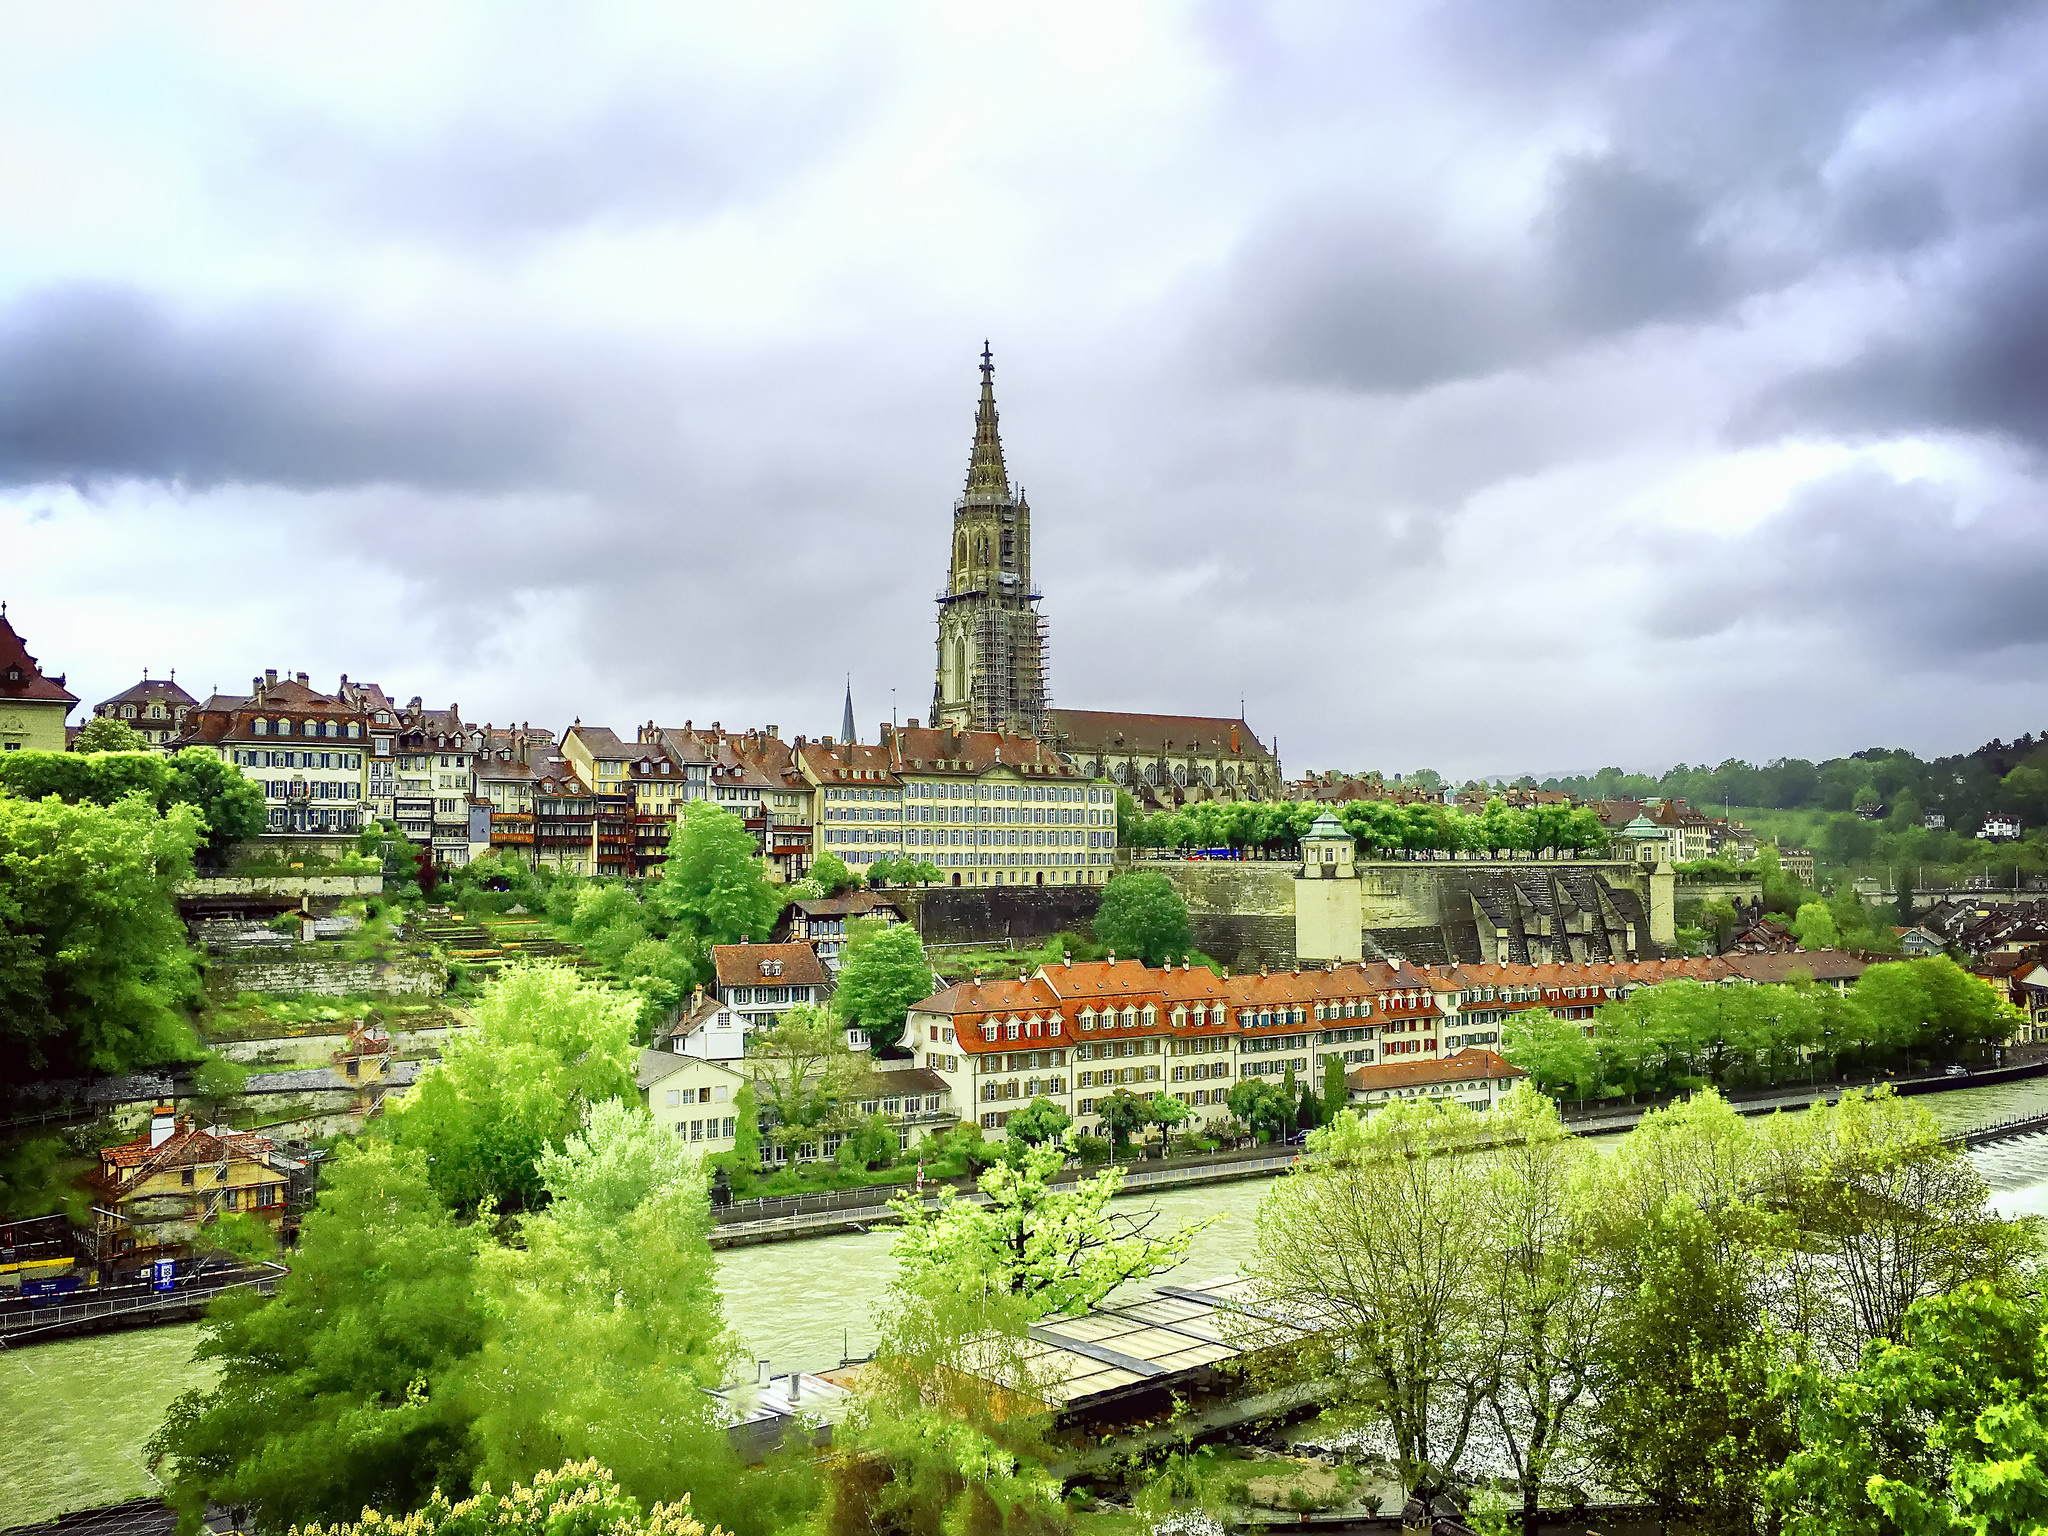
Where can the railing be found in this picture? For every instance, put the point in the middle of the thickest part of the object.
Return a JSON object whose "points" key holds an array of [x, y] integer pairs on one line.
{"points": [[873, 1198], [132, 1301]]}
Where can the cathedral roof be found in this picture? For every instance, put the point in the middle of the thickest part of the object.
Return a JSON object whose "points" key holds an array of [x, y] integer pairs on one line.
{"points": [[1110, 730]]}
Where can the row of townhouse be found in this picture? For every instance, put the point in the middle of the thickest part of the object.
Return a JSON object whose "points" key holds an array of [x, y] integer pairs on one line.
{"points": [[982, 807], [1076, 1032]]}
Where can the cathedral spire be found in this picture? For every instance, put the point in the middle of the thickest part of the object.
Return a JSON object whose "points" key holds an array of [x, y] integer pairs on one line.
{"points": [[985, 473]]}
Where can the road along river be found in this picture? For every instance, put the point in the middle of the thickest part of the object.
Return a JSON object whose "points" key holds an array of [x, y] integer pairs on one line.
{"points": [[798, 1304]]}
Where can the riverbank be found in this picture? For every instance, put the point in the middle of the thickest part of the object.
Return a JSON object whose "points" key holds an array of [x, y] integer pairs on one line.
{"points": [[93, 1401]]}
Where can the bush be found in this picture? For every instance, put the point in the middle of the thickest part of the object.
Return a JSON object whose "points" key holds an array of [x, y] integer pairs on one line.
{"points": [[1093, 1151]]}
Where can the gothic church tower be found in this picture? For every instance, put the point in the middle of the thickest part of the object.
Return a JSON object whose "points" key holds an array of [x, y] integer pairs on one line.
{"points": [[991, 673]]}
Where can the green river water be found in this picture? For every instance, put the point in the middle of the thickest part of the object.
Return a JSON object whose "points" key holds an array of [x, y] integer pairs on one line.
{"points": [[78, 1411]]}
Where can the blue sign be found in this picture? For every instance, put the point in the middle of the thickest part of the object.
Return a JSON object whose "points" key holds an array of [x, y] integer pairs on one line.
{"points": [[163, 1273]]}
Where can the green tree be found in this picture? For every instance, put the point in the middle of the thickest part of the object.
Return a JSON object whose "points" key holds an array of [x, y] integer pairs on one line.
{"points": [[1336, 1086], [579, 1498], [1375, 1230], [1123, 1114], [1143, 917], [807, 1076], [1941, 1430], [1256, 1103], [1815, 927], [713, 886], [93, 959], [746, 1145], [1038, 1122], [1168, 1113], [104, 733], [920, 872], [338, 1392], [546, 1044], [1933, 1008], [883, 974], [1683, 1416], [1547, 1304], [607, 1324], [831, 873], [1054, 1249], [229, 805]]}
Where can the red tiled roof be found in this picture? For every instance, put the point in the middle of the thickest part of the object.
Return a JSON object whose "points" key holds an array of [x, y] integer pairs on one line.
{"points": [[1467, 1066], [924, 749], [739, 965], [31, 684], [1110, 730]]}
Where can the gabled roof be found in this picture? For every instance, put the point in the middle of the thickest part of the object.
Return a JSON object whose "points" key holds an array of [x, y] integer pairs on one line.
{"points": [[20, 677], [1820, 964], [600, 741], [851, 904], [1467, 1066], [1111, 730], [151, 690], [925, 750], [653, 1066], [741, 965]]}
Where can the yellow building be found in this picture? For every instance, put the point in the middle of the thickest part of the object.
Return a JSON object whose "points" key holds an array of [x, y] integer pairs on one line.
{"points": [[33, 707], [156, 1191], [991, 808], [692, 1097]]}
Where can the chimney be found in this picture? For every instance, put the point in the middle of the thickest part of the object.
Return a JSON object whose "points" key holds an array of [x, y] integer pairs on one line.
{"points": [[300, 676], [162, 1122], [270, 675]]}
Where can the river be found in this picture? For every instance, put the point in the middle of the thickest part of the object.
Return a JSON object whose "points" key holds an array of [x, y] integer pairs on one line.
{"points": [[800, 1305]]}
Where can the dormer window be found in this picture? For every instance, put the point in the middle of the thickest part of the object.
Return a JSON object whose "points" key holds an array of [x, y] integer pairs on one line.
{"points": [[991, 1032], [259, 727], [1010, 1030]]}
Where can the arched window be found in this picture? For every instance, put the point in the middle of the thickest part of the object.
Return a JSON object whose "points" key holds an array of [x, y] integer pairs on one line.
{"points": [[259, 727]]}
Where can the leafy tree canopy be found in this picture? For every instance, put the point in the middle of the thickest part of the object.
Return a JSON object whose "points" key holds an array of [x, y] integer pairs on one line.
{"points": [[607, 1321], [884, 972], [104, 733], [545, 1046], [1143, 917], [338, 1392], [1054, 1249], [714, 886], [93, 960]]}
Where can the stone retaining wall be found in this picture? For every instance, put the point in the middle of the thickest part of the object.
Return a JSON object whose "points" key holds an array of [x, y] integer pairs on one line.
{"points": [[407, 976], [990, 914], [291, 886]]}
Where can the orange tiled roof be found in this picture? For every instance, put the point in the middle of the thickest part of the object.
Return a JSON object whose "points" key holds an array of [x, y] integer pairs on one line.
{"points": [[1470, 1065]]}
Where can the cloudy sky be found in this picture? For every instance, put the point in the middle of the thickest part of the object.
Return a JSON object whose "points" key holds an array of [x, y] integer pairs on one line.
{"points": [[1486, 386]]}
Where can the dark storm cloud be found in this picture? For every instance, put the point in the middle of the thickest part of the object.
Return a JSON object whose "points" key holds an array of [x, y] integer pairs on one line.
{"points": [[1739, 167], [1369, 307], [1974, 358], [107, 383], [1624, 248], [1875, 562]]}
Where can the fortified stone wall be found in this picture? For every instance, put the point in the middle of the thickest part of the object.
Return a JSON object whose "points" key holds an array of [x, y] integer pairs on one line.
{"points": [[1242, 912], [946, 914]]}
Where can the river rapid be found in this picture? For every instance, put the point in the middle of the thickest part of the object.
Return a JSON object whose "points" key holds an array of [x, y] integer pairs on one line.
{"points": [[800, 1305]]}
